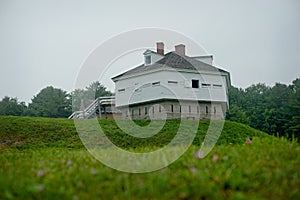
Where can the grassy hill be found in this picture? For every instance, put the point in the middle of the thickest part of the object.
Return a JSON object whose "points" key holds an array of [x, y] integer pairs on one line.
{"points": [[30, 132], [43, 158]]}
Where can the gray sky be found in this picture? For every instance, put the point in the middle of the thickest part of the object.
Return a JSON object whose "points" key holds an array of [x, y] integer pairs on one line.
{"points": [[45, 42]]}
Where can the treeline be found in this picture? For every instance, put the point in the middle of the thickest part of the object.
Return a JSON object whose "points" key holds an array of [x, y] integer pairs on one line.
{"points": [[275, 110], [52, 102]]}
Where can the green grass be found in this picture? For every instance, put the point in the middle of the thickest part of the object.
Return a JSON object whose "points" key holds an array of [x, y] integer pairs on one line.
{"points": [[31, 132], [44, 159]]}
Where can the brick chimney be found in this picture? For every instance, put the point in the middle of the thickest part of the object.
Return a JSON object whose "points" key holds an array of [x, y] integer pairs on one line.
{"points": [[180, 49], [160, 48]]}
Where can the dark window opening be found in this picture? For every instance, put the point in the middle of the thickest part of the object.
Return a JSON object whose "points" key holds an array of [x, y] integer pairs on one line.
{"points": [[146, 110], [139, 111], [172, 82], [217, 86], [172, 108], [179, 108], [205, 85], [159, 108], [148, 60], [195, 83], [156, 83], [206, 109]]}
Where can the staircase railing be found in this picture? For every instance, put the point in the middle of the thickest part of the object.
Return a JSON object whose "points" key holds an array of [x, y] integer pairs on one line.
{"points": [[92, 108]]}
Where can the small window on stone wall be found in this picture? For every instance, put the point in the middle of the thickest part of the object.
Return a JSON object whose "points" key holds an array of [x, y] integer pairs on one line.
{"points": [[146, 110]]}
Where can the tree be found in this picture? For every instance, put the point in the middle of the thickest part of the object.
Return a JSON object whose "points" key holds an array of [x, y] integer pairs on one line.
{"points": [[237, 114], [77, 96], [51, 102], [275, 110], [277, 115], [255, 104], [11, 106], [96, 90], [236, 96], [294, 109], [236, 101], [91, 92]]}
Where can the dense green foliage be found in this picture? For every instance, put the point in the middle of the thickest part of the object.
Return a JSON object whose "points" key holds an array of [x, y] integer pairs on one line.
{"points": [[43, 158], [11, 106], [52, 102], [275, 110]]}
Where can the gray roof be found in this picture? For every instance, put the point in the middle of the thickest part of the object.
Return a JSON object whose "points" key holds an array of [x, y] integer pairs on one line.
{"points": [[175, 61]]}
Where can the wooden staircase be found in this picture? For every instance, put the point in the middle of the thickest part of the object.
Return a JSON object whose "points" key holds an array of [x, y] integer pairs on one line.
{"points": [[100, 106]]}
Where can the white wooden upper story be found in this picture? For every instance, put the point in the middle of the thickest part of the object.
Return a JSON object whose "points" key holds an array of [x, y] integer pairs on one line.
{"points": [[172, 76]]}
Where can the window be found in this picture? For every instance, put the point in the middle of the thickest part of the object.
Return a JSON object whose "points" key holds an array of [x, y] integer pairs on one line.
{"points": [[146, 110], [159, 108], [146, 85], [121, 90], [139, 111], [206, 109], [205, 85], [217, 86], [197, 109], [156, 83], [172, 108], [179, 108], [147, 60], [173, 82], [138, 90], [195, 83], [190, 109]]}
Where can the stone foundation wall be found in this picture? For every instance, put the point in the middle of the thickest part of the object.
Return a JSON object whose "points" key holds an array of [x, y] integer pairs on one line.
{"points": [[173, 110]]}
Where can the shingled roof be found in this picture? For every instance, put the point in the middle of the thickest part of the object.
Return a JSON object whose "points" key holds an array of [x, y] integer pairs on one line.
{"points": [[175, 61]]}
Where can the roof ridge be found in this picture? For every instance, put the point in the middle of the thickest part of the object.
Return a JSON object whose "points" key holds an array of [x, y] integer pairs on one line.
{"points": [[173, 60]]}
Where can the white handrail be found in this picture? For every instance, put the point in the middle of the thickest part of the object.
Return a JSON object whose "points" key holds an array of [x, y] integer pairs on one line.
{"points": [[91, 109]]}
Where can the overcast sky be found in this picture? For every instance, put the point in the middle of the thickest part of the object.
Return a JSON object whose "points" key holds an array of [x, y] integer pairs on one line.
{"points": [[45, 42]]}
